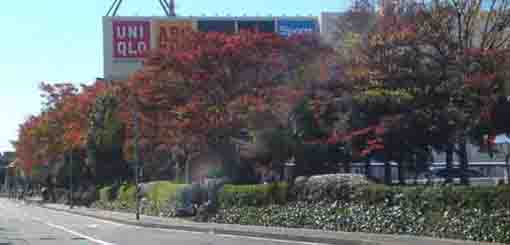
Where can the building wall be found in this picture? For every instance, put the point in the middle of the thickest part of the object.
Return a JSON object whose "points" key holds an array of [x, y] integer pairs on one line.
{"points": [[494, 169], [475, 154], [329, 27]]}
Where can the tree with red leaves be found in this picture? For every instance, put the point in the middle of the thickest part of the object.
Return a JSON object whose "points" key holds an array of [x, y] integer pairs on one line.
{"points": [[196, 97], [187, 99], [61, 128], [437, 66]]}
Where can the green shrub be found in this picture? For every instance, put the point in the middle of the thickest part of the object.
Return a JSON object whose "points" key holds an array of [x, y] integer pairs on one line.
{"points": [[126, 195], [480, 213], [252, 195], [467, 224], [105, 194], [163, 192], [438, 197]]}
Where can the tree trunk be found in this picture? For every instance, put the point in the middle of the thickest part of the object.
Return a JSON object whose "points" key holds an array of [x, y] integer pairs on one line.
{"points": [[401, 177], [347, 167], [416, 167], [187, 178], [507, 162], [51, 189], [178, 173], [387, 173], [464, 162], [368, 169], [449, 162]]}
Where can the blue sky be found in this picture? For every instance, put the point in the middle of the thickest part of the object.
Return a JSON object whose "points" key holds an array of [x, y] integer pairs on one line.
{"points": [[61, 41]]}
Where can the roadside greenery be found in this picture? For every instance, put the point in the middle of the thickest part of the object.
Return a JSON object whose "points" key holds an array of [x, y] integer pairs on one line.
{"points": [[163, 192], [253, 195], [480, 213], [453, 222], [458, 212], [157, 199]]}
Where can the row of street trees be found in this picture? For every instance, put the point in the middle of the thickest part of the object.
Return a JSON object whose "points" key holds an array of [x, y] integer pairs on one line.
{"points": [[427, 75], [412, 77], [186, 101]]}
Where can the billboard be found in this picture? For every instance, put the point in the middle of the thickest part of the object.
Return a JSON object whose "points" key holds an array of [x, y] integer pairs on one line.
{"points": [[174, 35], [223, 26], [288, 28], [127, 39], [257, 26], [131, 39]]}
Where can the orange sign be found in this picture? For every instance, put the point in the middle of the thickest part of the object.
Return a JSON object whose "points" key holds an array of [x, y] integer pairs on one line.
{"points": [[174, 35]]}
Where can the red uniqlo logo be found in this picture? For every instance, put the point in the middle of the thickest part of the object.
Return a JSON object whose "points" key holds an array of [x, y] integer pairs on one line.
{"points": [[131, 39]]}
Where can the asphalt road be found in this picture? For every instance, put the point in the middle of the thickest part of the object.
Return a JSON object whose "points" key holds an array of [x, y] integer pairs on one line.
{"points": [[22, 224]]}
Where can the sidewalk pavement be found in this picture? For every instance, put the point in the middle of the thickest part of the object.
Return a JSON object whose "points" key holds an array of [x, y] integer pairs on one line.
{"points": [[291, 234]]}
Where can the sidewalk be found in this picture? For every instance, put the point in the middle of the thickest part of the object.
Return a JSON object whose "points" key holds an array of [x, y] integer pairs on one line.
{"points": [[291, 234]]}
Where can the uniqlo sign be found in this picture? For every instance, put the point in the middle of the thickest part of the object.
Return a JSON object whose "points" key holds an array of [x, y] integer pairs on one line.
{"points": [[131, 39]]}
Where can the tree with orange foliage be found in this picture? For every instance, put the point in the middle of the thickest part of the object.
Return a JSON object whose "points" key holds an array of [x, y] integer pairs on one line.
{"points": [[61, 128], [198, 97]]}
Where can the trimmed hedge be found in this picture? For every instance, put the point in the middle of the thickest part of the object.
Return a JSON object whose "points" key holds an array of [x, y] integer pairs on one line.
{"points": [[480, 213], [252, 195], [438, 197], [466, 224], [105, 194], [126, 195], [162, 193], [426, 197], [159, 197]]}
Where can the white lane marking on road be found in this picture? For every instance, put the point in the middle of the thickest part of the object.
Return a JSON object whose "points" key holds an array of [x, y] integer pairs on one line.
{"points": [[37, 219], [209, 233], [270, 239], [80, 235], [239, 237], [173, 230], [87, 217]]}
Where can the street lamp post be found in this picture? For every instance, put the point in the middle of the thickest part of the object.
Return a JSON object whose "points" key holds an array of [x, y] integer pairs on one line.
{"points": [[137, 163], [71, 199], [288, 171], [6, 179]]}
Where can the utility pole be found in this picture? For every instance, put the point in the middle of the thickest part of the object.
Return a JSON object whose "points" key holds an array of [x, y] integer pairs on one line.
{"points": [[171, 8]]}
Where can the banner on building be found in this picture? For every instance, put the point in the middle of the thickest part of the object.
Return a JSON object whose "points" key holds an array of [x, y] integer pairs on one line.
{"points": [[174, 35], [222, 26], [131, 39], [256, 26], [288, 28]]}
